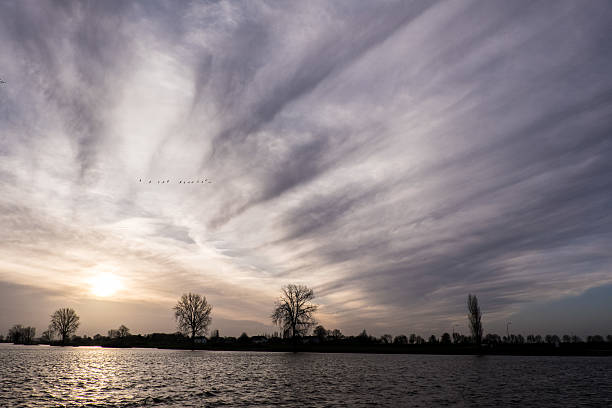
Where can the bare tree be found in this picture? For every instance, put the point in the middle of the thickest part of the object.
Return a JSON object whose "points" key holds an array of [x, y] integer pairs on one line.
{"points": [[120, 333], [294, 310], [401, 339], [47, 335], [15, 334], [192, 312], [64, 322], [386, 339], [123, 331], [335, 334], [21, 335], [28, 334], [474, 317]]}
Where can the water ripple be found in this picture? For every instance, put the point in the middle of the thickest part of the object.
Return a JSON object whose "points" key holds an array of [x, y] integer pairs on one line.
{"points": [[35, 376]]}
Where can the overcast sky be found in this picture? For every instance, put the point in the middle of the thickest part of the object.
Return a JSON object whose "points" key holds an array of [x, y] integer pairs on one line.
{"points": [[394, 156]]}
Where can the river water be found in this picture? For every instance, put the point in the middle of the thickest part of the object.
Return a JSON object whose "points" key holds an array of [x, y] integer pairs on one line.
{"points": [[42, 376]]}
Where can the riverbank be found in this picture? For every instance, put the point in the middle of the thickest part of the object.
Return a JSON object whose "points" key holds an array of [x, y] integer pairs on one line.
{"points": [[433, 350], [581, 349]]}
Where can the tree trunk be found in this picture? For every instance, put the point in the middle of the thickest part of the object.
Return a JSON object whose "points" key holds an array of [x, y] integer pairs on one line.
{"points": [[294, 339]]}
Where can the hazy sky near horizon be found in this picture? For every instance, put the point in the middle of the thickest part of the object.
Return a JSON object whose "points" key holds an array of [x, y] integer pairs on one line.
{"points": [[394, 156]]}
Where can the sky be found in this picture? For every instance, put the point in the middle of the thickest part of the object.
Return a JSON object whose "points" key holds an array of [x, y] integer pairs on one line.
{"points": [[394, 156]]}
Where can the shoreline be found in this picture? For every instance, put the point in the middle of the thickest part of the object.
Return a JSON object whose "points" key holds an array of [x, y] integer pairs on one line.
{"points": [[526, 351]]}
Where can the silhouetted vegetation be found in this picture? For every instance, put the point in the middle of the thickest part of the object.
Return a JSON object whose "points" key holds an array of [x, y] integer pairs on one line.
{"points": [[294, 310], [65, 322], [120, 333], [474, 317], [294, 313], [192, 313], [331, 341], [21, 335]]}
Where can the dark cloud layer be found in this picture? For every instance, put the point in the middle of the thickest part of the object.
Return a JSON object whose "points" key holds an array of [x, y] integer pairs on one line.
{"points": [[395, 156]]}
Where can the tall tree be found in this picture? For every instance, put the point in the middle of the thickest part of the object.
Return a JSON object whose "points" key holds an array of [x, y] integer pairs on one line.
{"points": [[28, 334], [192, 313], [65, 322], [474, 317], [294, 310]]}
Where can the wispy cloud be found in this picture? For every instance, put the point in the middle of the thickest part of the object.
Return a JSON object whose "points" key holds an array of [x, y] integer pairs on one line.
{"points": [[393, 156]]}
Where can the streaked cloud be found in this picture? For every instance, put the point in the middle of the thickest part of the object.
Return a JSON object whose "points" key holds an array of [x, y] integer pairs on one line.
{"points": [[394, 156]]}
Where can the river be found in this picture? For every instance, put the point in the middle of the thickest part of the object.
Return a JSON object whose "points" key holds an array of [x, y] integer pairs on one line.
{"points": [[43, 376]]}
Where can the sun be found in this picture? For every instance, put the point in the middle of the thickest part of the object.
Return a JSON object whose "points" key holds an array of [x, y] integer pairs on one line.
{"points": [[105, 284]]}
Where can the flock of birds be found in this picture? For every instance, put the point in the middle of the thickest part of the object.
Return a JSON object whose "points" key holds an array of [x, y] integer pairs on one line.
{"points": [[205, 181]]}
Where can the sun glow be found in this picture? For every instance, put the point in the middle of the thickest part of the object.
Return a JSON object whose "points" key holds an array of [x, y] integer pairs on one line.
{"points": [[105, 284]]}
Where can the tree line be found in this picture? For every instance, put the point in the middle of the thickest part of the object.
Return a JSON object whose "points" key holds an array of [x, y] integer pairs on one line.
{"points": [[294, 315]]}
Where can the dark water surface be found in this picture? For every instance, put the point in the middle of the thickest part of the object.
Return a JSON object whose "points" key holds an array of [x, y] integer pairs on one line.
{"points": [[39, 376]]}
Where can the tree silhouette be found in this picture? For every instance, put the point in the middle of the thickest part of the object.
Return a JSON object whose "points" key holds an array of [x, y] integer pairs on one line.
{"points": [[123, 331], [120, 333], [64, 322], [47, 336], [320, 332], [15, 333], [364, 337], [474, 316], [294, 310], [192, 312], [400, 340], [335, 334], [595, 339], [386, 339], [492, 339], [21, 335]]}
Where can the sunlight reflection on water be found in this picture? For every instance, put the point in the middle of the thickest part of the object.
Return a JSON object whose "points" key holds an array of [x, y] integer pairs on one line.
{"points": [[37, 376]]}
